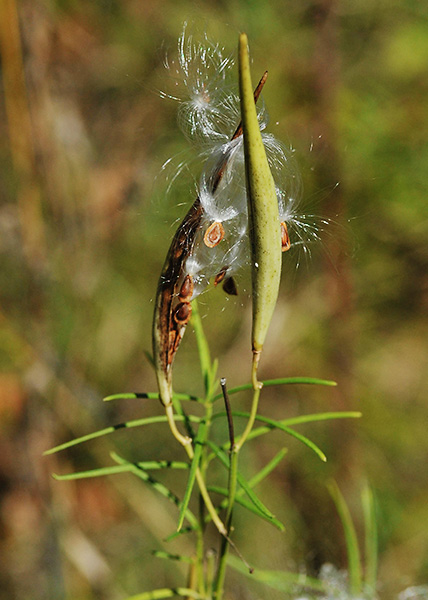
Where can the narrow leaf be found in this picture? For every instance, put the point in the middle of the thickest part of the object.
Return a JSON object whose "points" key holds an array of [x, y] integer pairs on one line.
{"points": [[242, 482], [146, 396], [192, 474], [169, 556], [184, 530], [272, 424], [162, 593], [248, 505], [92, 473], [353, 552], [113, 428], [371, 538], [159, 487], [322, 417], [313, 418], [281, 381], [283, 581], [102, 472]]}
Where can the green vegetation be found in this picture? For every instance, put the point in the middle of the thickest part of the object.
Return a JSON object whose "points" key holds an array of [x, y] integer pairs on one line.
{"points": [[84, 219]]}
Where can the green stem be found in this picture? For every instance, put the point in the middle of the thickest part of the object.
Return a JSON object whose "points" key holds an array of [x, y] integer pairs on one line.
{"points": [[232, 484], [200, 550], [204, 493], [257, 386], [221, 573], [203, 348], [185, 441]]}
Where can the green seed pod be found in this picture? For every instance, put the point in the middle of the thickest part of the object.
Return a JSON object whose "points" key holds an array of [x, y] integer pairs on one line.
{"points": [[264, 221]]}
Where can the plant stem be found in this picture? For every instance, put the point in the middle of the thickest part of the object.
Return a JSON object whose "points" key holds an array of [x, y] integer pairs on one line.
{"points": [[257, 386], [221, 573], [185, 441], [203, 348], [200, 549], [233, 471], [204, 493]]}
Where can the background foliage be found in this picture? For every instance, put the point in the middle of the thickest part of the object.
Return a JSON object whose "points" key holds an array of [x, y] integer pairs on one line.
{"points": [[85, 222]]}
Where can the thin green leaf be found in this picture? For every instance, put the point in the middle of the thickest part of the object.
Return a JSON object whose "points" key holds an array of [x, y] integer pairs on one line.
{"points": [[184, 530], [283, 581], [322, 417], [169, 556], [313, 418], [113, 428], [272, 424], [221, 455], [192, 473], [253, 482], [147, 396], [281, 381], [161, 593], [159, 487], [246, 504], [370, 538], [92, 473], [353, 552], [260, 475], [302, 438], [102, 472]]}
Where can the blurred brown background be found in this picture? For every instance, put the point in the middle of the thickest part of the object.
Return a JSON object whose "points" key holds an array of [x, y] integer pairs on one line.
{"points": [[85, 223]]}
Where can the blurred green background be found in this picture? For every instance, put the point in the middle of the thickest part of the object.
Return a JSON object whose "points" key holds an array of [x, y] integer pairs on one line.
{"points": [[85, 223]]}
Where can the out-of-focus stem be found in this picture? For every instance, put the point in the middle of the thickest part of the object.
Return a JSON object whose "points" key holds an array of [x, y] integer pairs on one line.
{"points": [[20, 134]]}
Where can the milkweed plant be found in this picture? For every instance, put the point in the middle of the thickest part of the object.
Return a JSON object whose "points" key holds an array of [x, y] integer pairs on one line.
{"points": [[245, 215]]}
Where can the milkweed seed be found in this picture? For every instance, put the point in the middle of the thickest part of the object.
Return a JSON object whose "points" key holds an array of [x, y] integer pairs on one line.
{"points": [[214, 234], [220, 275], [182, 313], [229, 286], [285, 238], [186, 290]]}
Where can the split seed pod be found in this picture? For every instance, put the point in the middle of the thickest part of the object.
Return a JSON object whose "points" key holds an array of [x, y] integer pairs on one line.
{"points": [[176, 286], [263, 215]]}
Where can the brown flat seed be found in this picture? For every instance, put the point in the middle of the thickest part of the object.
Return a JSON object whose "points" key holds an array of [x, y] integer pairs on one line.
{"points": [[182, 313], [285, 238], [229, 286], [220, 275], [186, 290], [214, 234]]}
